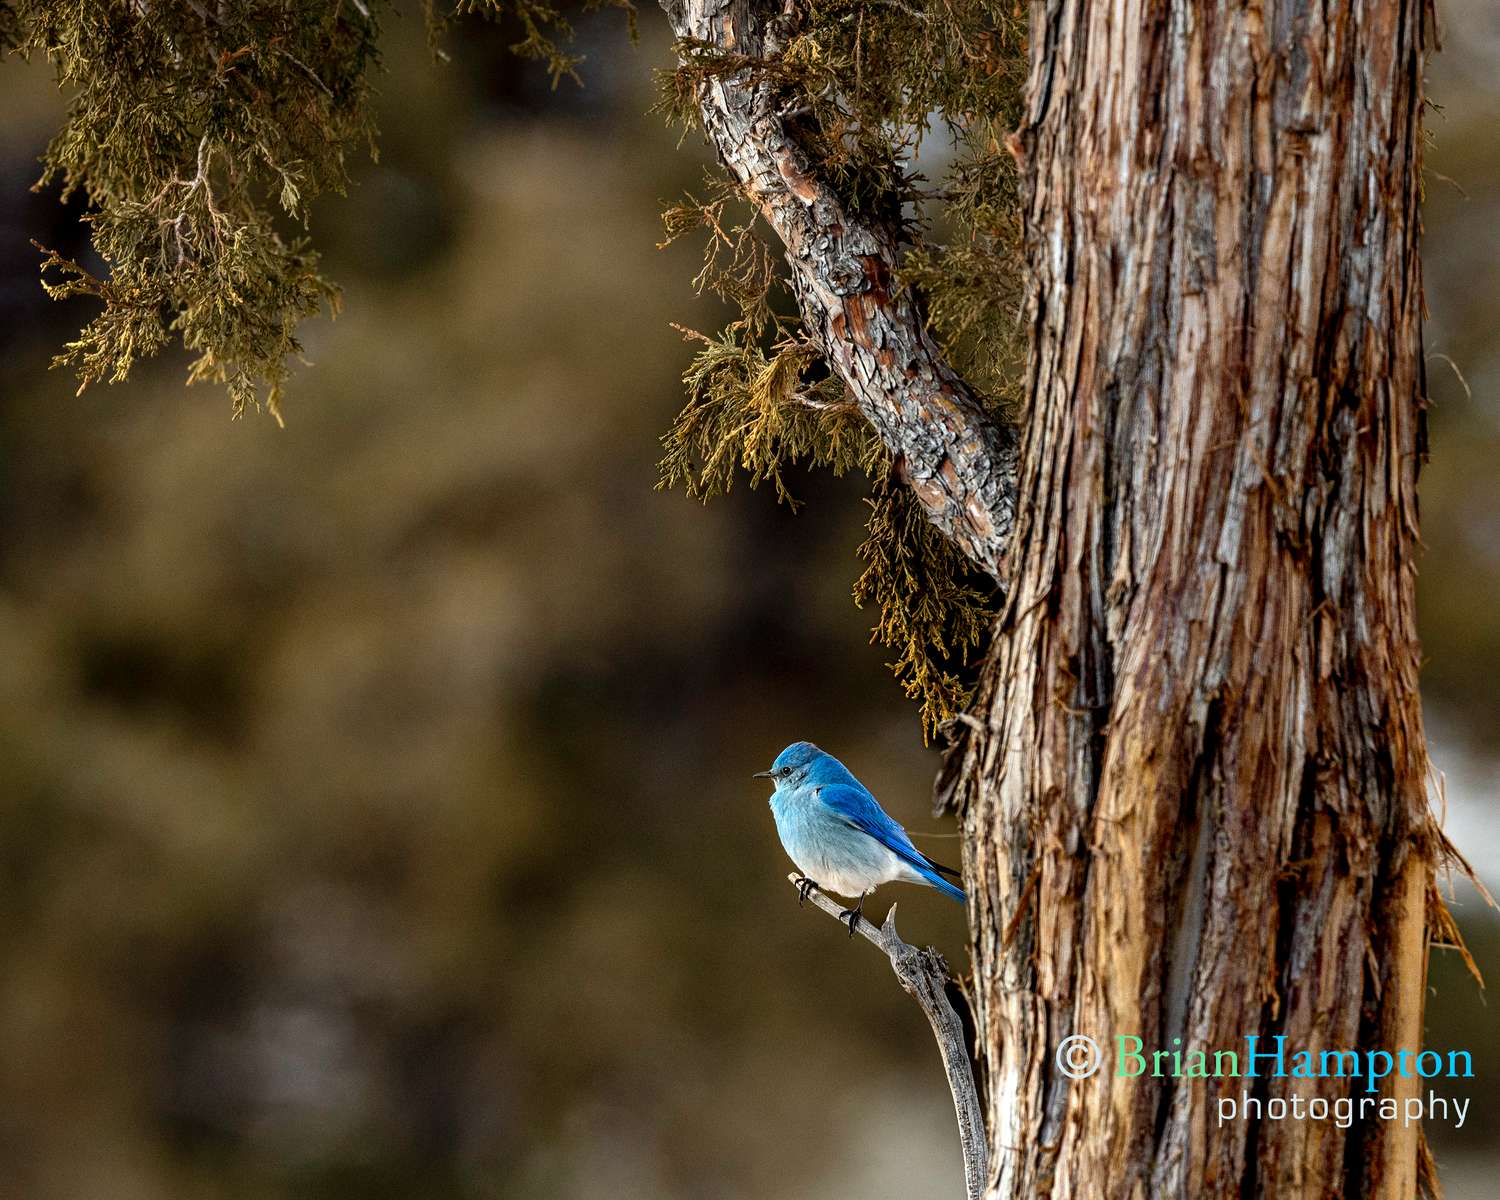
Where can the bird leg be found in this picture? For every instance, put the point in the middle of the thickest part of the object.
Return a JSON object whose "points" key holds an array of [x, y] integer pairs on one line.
{"points": [[805, 888], [852, 915]]}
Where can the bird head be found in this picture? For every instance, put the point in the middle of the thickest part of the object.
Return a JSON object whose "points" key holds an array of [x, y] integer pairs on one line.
{"points": [[794, 764]]}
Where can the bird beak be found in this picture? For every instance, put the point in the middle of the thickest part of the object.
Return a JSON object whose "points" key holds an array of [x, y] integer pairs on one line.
{"points": [[761, 775]]}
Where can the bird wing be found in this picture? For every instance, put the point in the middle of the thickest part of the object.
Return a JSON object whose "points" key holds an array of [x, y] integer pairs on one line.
{"points": [[863, 811]]}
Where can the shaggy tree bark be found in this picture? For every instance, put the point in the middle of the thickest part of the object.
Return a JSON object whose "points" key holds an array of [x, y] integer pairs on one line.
{"points": [[1192, 789], [1196, 807]]}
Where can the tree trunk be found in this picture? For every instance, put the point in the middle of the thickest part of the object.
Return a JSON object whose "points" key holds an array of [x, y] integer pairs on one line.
{"points": [[1193, 798], [1193, 785]]}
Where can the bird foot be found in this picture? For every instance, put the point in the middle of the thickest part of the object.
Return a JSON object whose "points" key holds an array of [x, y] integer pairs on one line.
{"points": [[805, 888], [852, 916]]}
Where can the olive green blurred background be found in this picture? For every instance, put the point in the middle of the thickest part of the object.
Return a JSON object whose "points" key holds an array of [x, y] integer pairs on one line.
{"points": [[375, 817]]}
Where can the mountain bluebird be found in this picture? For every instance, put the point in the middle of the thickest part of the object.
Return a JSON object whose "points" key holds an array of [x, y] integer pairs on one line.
{"points": [[840, 838]]}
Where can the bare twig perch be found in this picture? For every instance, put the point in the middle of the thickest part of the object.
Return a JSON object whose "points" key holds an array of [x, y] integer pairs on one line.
{"points": [[924, 975]]}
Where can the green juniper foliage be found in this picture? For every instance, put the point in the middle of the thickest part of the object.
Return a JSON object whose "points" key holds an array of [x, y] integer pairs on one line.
{"points": [[199, 132], [932, 609], [873, 81]]}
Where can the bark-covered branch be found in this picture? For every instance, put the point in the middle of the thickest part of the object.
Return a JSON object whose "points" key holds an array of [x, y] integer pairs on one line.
{"points": [[959, 461], [924, 975]]}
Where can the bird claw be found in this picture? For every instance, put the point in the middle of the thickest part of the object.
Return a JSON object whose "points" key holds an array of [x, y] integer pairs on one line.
{"points": [[805, 888], [852, 916]]}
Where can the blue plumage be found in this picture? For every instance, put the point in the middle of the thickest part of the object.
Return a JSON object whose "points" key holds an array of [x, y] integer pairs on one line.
{"points": [[838, 835]]}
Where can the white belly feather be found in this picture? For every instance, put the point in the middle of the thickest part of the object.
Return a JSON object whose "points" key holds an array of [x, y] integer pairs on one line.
{"points": [[853, 879]]}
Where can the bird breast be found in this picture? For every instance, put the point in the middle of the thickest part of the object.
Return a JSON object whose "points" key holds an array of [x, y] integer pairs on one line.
{"points": [[830, 851]]}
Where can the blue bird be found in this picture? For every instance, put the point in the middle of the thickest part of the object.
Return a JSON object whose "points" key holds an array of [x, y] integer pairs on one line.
{"points": [[838, 835]]}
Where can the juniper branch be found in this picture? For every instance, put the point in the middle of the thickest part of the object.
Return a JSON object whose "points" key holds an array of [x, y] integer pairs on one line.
{"points": [[959, 461]]}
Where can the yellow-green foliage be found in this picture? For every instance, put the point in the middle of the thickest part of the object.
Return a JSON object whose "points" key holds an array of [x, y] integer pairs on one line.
{"points": [[759, 397], [188, 127], [750, 409], [933, 612], [197, 132], [869, 81]]}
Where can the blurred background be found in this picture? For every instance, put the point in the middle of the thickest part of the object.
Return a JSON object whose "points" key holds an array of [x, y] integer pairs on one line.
{"points": [[375, 817]]}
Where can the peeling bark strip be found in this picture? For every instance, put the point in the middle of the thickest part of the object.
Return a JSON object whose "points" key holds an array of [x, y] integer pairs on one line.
{"points": [[1195, 805], [959, 461]]}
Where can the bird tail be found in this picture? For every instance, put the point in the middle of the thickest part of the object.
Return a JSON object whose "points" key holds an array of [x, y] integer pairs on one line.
{"points": [[935, 880]]}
